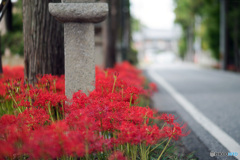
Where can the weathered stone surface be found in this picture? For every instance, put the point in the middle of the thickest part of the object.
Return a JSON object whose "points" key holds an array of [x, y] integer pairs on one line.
{"points": [[79, 57], [78, 19], [79, 12]]}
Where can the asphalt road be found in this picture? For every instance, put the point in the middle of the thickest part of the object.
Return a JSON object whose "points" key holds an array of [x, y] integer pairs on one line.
{"points": [[215, 94]]}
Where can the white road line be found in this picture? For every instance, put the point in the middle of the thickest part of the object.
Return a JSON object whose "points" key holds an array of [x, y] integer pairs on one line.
{"points": [[228, 142]]}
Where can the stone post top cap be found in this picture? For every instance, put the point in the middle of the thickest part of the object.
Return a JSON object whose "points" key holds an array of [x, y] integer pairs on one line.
{"points": [[79, 12]]}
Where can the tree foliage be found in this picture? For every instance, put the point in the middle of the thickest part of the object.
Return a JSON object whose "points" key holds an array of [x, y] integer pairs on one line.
{"points": [[14, 38], [208, 10], [233, 25]]}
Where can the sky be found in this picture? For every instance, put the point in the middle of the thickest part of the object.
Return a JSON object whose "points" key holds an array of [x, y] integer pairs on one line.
{"points": [[155, 14]]}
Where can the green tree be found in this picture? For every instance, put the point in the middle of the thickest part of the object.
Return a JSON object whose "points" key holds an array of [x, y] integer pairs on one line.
{"points": [[13, 39], [185, 16], [208, 10], [210, 23], [233, 42]]}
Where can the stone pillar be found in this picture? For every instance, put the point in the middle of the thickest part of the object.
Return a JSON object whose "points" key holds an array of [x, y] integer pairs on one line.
{"points": [[78, 19]]}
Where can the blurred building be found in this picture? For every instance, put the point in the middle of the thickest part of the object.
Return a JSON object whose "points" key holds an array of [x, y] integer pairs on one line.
{"points": [[152, 41]]}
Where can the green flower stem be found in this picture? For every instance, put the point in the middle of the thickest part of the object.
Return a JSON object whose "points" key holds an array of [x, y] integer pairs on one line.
{"points": [[128, 150], [63, 114], [163, 125], [15, 102], [157, 145], [164, 148], [49, 110], [54, 84], [122, 94], [134, 152], [57, 113], [114, 83], [130, 104], [143, 151]]}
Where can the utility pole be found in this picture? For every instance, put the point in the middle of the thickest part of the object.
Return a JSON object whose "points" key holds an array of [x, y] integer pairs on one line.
{"points": [[223, 35]]}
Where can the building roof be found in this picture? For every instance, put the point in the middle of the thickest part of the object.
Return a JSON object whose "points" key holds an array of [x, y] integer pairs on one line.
{"points": [[154, 34]]}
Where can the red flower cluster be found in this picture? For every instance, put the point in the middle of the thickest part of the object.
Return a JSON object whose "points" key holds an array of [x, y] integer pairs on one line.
{"points": [[43, 125], [10, 73]]}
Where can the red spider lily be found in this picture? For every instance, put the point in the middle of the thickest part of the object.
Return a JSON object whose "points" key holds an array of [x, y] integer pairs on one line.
{"points": [[14, 137], [168, 118], [46, 142], [45, 125], [10, 73], [133, 134], [34, 118], [176, 131], [6, 121], [118, 155]]}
